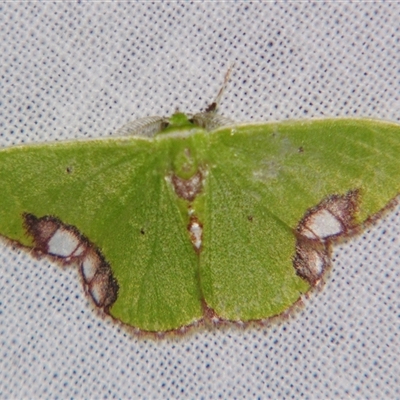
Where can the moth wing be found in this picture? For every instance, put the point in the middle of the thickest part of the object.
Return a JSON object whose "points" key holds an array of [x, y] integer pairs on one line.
{"points": [[115, 193], [261, 181]]}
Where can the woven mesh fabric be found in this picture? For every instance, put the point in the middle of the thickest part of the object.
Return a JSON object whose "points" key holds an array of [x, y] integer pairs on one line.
{"points": [[82, 70]]}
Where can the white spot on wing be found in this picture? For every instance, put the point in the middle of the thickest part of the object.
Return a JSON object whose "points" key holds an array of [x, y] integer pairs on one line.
{"points": [[80, 250], [316, 264], [63, 243], [90, 264], [311, 260], [99, 287], [98, 293], [195, 234], [321, 225]]}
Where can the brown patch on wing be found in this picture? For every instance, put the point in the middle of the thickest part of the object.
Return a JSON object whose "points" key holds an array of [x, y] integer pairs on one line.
{"points": [[188, 189], [332, 218], [41, 229], [65, 243], [311, 259], [210, 315], [104, 287]]}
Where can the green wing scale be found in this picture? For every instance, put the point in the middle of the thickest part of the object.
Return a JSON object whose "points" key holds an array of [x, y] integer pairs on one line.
{"points": [[185, 225]]}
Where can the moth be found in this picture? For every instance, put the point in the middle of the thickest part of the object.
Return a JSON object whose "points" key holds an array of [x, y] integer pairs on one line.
{"points": [[176, 221]]}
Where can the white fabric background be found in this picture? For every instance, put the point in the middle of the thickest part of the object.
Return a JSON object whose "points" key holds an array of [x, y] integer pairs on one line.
{"points": [[82, 70]]}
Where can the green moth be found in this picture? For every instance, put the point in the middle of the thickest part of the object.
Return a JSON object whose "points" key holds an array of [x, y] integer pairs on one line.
{"points": [[193, 218]]}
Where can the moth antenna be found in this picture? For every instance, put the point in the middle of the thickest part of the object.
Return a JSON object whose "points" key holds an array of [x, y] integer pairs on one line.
{"points": [[209, 119], [214, 105]]}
